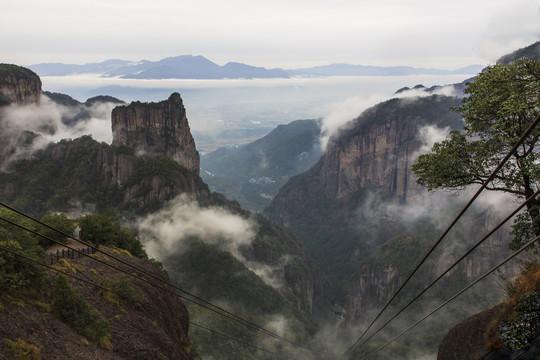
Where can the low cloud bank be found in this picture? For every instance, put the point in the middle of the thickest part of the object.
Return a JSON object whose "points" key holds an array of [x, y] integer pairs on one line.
{"points": [[171, 229], [28, 128], [339, 114]]}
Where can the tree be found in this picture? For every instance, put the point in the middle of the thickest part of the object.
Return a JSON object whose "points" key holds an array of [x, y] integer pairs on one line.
{"points": [[17, 272], [57, 221], [501, 104], [71, 307], [106, 229]]}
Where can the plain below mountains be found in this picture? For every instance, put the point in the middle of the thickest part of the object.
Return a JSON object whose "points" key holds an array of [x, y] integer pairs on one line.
{"points": [[252, 174], [199, 67]]}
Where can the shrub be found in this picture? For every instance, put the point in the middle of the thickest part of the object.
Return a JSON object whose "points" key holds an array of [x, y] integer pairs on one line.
{"points": [[17, 272], [106, 229], [69, 305], [60, 222], [519, 333], [21, 350], [122, 292]]}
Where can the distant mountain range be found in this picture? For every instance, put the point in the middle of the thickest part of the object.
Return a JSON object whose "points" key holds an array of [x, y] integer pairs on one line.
{"points": [[199, 67]]}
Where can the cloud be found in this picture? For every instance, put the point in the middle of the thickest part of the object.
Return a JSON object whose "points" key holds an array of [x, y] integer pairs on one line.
{"points": [[170, 230], [512, 26], [338, 114], [45, 121]]}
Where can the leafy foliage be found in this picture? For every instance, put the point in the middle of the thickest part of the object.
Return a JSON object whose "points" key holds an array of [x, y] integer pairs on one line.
{"points": [[216, 275], [58, 221], [16, 272], [519, 333], [106, 229], [58, 176], [69, 305], [21, 350], [123, 293], [15, 71], [502, 103]]}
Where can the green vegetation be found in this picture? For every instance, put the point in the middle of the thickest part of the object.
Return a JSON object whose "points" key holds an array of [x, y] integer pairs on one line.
{"points": [[16, 272], [520, 332], [59, 176], [251, 174], [71, 307], [106, 229], [57, 221], [216, 275], [502, 103], [517, 321], [21, 350], [102, 99], [62, 99], [122, 292], [15, 71]]}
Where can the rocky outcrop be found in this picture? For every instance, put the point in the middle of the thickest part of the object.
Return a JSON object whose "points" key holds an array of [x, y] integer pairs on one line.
{"points": [[378, 148], [19, 85], [157, 128], [467, 339], [344, 209]]}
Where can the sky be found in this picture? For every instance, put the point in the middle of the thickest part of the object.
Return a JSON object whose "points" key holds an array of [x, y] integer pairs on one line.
{"points": [[279, 33]]}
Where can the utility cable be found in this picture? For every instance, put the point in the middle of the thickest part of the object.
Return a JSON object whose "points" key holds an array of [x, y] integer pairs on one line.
{"points": [[456, 295], [471, 201], [123, 296], [206, 305], [510, 216]]}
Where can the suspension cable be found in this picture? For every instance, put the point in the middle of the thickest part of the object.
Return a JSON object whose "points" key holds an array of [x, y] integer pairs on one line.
{"points": [[205, 304], [510, 216], [471, 201], [456, 295], [181, 318]]}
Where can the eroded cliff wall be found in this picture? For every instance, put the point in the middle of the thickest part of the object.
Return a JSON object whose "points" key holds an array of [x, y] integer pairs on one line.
{"points": [[19, 85], [157, 128]]}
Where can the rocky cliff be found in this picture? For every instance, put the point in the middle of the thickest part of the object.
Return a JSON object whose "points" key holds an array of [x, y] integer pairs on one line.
{"points": [[82, 171], [19, 85], [157, 128], [377, 148], [352, 209]]}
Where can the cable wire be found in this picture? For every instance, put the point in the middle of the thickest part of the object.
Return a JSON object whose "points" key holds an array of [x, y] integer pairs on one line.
{"points": [[205, 304], [456, 295], [121, 295], [471, 201], [510, 216]]}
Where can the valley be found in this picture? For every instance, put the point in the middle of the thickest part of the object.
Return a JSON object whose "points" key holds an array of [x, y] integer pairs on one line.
{"points": [[303, 226]]}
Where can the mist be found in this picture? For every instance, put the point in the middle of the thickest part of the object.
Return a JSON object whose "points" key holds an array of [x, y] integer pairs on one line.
{"points": [[171, 230], [338, 115], [168, 230], [29, 128]]}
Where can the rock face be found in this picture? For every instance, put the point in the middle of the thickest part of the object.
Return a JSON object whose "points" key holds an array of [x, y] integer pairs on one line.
{"points": [[19, 85], [157, 128], [378, 148], [346, 208], [467, 339]]}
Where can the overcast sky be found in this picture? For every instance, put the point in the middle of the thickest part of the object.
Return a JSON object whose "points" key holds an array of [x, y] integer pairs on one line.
{"points": [[270, 33]]}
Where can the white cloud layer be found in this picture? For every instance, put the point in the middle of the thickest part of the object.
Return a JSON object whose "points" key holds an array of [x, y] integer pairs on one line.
{"points": [[271, 34], [169, 231], [45, 120]]}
